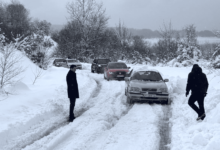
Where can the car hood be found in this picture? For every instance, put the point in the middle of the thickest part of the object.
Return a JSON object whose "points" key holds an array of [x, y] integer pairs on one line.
{"points": [[148, 84], [73, 63], [113, 70]]}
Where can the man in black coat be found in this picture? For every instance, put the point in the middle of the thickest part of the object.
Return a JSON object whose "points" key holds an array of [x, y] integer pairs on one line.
{"points": [[198, 84], [72, 90]]}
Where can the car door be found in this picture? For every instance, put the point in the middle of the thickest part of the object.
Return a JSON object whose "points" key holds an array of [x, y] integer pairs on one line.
{"points": [[105, 71], [127, 82], [93, 64]]}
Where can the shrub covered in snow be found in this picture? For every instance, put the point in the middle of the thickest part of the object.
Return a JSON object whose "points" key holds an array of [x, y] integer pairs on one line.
{"points": [[187, 55], [216, 57]]}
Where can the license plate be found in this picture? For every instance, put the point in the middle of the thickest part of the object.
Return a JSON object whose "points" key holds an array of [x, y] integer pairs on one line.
{"points": [[149, 95], [120, 75]]}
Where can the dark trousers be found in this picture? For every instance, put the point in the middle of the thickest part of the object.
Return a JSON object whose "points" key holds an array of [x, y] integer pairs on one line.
{"points": [[200, 99], [72, 105]]}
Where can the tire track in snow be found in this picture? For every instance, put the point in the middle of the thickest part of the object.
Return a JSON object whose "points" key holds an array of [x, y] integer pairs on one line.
{"points": [[97, 118], [44, 128], [164, 125]]}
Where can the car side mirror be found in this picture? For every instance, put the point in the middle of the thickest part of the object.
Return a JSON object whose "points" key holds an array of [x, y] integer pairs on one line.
{"points": [[129, 67], [127, 78], [166, 80]]}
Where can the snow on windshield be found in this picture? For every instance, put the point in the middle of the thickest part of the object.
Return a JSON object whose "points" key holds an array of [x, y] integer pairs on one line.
{"points": [[146, 76]]}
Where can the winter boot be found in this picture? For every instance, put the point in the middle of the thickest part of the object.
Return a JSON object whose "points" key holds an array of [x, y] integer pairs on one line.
{"points": [[201, 117]]}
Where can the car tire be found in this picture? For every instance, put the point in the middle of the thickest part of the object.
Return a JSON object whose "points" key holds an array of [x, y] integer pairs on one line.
{"points": [[168, 102], [129, 101], [92, 71]]}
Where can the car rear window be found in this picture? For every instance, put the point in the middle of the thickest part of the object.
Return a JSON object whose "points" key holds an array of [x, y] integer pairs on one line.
{"points": [[71, 61], [117, 66], [146, 76], [103, 61], [59, 60]]}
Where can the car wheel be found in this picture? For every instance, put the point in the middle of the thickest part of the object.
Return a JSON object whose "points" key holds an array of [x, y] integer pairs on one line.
{"points": [[167, 102], [129, 101], [92, 71]]}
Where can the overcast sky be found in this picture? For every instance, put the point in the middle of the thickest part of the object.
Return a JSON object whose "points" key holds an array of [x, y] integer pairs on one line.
{"points": [[148, 14]]}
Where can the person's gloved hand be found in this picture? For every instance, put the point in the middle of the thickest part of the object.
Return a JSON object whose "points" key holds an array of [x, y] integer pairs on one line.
{"points": [[187, 93]]}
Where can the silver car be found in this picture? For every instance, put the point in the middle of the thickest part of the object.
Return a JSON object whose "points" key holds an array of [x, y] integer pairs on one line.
{"points": [[76, 62], [146, 86]]}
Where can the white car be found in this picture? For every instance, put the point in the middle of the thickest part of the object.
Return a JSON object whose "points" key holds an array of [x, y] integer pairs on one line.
{"points": [[146, 86], [76, 62]]}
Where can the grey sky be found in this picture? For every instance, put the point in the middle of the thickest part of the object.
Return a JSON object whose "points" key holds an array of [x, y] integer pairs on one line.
{"points": [[150, 14]]}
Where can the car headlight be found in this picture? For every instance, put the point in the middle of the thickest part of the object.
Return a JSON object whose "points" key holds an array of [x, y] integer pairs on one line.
{"points": [[162, 90], [110, 72], [99, 65], [134, 90]]}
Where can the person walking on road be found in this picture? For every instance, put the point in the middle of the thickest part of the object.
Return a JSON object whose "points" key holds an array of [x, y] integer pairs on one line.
{"points": [[72, 90], [198, 84]]}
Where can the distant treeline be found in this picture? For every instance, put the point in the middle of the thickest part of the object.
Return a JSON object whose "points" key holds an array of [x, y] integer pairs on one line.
{"points": [[148, 33]]}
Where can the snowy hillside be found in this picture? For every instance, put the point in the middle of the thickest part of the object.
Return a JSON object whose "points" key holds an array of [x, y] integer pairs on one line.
{"points": [[35, 116]]}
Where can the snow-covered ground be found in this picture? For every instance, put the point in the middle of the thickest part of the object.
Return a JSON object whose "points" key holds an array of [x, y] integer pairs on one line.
{"points": [[201, 40], [35, 116]]}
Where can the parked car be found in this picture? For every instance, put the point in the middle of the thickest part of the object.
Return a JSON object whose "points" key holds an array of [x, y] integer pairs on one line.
{"points": [[146, 86], [98, 65], [59, 62], [76, 62], [116, 70]]}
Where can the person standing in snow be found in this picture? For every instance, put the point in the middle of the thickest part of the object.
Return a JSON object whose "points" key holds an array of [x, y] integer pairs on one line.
{"points": [[72, 90], [198, 84]]}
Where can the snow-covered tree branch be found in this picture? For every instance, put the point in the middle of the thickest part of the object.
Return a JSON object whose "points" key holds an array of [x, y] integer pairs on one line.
{"points": [[10, 67]]}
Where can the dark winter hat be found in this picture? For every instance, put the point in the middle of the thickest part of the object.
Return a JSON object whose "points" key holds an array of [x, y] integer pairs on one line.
{"points": [[195, 65], [72, 66]]}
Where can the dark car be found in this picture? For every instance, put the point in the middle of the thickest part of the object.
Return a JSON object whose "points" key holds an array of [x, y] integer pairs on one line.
{"points": [[59, 62], [116, 70], [98, 65]]}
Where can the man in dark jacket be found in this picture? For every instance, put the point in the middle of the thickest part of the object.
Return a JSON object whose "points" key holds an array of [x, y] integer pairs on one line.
{"points": [[72, 89], [198, 84]]}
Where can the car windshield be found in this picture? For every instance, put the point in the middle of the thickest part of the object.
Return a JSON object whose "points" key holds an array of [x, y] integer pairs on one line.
{"points": [[71, 61], [103, 61], [146, 76], [117, 65]]}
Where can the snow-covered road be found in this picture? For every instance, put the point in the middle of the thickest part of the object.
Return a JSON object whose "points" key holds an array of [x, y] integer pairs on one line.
{"points": [[102, 116], [36, 117]]}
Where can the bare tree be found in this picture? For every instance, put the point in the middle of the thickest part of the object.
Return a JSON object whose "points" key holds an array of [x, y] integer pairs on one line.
{"points": [[125, 38], [38, 73], [92, 22], [190, 35], [167, 46], [10, 67]]}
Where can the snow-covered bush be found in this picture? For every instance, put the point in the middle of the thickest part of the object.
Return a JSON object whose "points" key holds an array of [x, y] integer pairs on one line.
{"points": [[2, 39], [216, 62], [187, 55], [216, 55]]}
